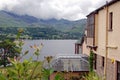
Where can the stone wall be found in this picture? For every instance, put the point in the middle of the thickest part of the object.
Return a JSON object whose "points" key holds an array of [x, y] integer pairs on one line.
{"points": [[111, 68], [68, 75]]}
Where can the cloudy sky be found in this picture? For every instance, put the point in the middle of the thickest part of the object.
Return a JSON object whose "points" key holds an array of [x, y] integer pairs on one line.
{"points": [[47, 9]]}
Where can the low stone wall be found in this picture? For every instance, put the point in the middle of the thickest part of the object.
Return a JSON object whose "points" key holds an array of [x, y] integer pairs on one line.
{"points": [[68, 75]]}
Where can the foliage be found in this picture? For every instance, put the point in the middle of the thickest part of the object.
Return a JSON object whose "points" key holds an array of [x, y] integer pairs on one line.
{"points": [[23, 71], [42, 29], [47, 73], [59, 76], [27, 69], [38, 33], [91, 61], [8, 48], [92, 76]]}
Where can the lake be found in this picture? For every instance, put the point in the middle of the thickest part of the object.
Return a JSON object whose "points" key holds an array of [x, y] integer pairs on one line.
{"points": [[50, 47]]}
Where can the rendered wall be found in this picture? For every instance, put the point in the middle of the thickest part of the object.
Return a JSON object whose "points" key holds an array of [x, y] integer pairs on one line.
{"points": [[114, 36]]}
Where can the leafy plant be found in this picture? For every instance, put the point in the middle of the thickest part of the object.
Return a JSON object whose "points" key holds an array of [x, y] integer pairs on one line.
{"points": [[47, 73], [26, 70], [9, 48], [91, 61], [59, 76], [92, 76]]}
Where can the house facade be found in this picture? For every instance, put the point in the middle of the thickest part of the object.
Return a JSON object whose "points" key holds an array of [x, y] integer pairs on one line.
{"points": [[103, 29]]}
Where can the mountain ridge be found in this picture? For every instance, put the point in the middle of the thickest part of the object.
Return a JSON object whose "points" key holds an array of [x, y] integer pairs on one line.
{"points": [[9, 19], [33, 20]]}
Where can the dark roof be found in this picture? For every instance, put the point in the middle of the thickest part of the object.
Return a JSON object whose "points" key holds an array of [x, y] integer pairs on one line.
{"points": [[102, 7], [80, 41]]}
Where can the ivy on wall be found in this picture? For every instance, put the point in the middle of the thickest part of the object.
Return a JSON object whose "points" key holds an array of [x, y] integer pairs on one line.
{"points": [[91, 61]]}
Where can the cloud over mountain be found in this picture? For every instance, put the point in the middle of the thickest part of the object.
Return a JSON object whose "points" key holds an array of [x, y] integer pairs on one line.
{"points": [[47, 9]]}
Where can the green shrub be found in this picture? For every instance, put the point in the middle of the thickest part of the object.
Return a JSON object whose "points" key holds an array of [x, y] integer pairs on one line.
{"points": [[92, 76], [26, 70], [91, 61]]}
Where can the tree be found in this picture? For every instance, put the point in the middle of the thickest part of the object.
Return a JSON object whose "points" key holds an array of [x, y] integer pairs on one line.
{"points": [[8, 48]]}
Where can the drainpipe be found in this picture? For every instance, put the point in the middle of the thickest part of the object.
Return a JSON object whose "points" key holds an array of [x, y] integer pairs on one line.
{"points": [[106, 54]]}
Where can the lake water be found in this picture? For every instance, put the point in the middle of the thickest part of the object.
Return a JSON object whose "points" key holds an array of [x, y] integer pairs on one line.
{"points": [[50, 48]]}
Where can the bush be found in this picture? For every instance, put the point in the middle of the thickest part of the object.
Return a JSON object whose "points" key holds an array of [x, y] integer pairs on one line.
{"points": [[92, 76], [26, 70]]}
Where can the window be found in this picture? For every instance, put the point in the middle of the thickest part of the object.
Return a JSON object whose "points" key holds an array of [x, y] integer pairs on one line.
{"points": [[90, 26], [103, 60], [118, 70], [110, 21]]}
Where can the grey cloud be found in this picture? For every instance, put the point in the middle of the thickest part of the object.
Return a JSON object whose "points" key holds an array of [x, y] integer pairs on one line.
{"points": [[101, 3], [47, 9]]}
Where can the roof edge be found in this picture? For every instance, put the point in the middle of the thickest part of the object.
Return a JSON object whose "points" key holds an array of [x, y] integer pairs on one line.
{"points": [[102, 7]]}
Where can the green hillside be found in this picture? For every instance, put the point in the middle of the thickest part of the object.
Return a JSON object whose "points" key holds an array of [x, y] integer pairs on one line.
{"points": [[34, 27]]}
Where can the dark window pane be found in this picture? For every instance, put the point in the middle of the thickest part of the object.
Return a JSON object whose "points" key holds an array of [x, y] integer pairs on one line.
{"points": [[110, 21], [90, 26], [103, 60], [118, 70]]}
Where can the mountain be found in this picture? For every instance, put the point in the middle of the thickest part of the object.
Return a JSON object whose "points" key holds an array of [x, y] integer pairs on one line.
{"points": [[65, 25], [9, 19]]}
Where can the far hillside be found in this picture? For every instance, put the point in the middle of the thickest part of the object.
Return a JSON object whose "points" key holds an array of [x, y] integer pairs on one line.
{"points": [[38, 28]]}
